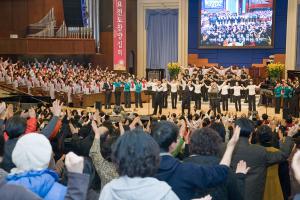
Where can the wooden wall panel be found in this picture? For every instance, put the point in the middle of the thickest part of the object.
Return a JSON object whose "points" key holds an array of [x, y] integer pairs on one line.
{"points": [[16, 15], [47, 46]]}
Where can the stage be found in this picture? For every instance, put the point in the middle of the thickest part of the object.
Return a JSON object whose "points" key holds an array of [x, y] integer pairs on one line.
{"points": [[148, 110]]}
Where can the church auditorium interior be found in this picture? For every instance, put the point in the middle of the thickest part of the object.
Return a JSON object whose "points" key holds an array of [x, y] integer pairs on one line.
{"points": [[150, 99]]}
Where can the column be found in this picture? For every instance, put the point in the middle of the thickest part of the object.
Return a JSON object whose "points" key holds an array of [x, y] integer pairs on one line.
{"points": [[291, 35]]}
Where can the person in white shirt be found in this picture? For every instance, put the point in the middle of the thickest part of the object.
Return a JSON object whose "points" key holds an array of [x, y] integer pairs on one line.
{"points": [[237, 96], [251, 96], [197, 94], [224, 95], [165, 93], [222, 71], [237, 71], [52, 91], [69, 90], [158, 98], [205, 70], [174, 89]]}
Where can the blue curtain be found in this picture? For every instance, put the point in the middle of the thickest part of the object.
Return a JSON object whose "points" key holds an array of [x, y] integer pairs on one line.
{"points": [[162, 37]]}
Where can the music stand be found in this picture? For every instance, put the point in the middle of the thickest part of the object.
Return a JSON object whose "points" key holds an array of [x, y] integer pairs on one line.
{"points": [[268, 94], [148, 93]]}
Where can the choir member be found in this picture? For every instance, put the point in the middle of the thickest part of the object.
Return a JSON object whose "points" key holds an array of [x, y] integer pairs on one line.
{"points": [[108, 90], [278, 94], [213, 91], [251, 96], [174, 89], [158, 100], [237, 96], [224, 95], [197, 94], [138, 90], [165, 93], [127, 95], [186, 97], [117, 89]]}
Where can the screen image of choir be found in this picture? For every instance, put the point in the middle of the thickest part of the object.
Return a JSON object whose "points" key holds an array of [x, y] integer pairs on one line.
{"points": [[51, 152], [219, 86], [230, 29]]}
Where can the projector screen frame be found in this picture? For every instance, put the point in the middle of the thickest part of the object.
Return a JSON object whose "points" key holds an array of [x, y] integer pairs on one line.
{"points": [[234, 47]]}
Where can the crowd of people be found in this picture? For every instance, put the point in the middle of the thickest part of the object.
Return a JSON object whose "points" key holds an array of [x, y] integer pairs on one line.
{"points": [[55, 152], [230, 29], [218, 85]]}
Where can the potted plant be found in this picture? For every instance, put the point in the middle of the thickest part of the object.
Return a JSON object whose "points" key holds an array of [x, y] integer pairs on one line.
{"points": [[174, 69], [275, 70]]}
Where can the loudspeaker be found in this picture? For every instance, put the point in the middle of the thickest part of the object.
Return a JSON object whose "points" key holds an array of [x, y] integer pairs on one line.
{"points": [[75, 13], [98, 105]]}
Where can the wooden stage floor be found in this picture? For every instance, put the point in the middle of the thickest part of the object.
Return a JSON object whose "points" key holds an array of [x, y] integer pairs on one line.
{"points": [[147, 109]]}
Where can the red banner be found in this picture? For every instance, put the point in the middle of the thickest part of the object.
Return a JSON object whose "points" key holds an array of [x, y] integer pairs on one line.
{"points": [[119, 12]]}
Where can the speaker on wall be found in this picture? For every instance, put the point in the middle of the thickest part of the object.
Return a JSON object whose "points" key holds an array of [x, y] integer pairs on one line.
{"points": [[75, 13]]}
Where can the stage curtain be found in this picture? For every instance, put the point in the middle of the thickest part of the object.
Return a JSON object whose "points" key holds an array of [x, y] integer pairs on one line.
{"points": [[162, 37]]}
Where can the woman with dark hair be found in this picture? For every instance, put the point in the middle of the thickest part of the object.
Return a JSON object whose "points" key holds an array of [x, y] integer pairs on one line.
{"points": [[272, 186], [204, 146], [136, 156]]}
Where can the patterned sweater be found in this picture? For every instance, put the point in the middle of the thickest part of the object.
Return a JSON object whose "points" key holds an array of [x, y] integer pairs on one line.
{"points": [[105, 169]]}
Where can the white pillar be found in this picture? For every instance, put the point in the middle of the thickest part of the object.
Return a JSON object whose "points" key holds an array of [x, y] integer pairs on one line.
{"points": [[291, 35]]}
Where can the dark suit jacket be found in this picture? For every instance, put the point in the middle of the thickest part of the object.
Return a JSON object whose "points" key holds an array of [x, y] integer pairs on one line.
{"points": [[258, 159], [232, 189]]}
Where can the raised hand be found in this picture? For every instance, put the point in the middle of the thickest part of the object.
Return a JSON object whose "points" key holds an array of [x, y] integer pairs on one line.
{"points": [[31, 113], [235, 137], [98, 130], [293, 130], [296, 165], [242, 168], [56, 108], [2, 107], [74, 163]]}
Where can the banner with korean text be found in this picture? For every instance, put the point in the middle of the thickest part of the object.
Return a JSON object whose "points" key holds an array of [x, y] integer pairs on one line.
{"points": [[119, 23]]}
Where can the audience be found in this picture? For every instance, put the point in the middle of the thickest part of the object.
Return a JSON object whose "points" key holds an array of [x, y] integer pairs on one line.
{"points": [[185, 178], [204, 147], [258, 158], [136, 156]]}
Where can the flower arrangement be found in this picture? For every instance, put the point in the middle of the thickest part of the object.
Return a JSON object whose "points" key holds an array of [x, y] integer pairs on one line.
{"points": [[275, 70], [174, 69]]}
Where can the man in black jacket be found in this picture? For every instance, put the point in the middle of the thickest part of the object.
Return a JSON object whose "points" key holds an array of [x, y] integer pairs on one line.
{"points": [[107, 86], [185, 178], [257, 158]]}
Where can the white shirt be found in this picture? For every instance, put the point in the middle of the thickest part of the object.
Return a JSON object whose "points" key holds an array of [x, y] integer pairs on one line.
{"points": [[174, 87], [224, 90], [237, 90], [159, 88], [205, 71], [52, 91], [252, 89], [222, 72], [165, 87], [197, 88]]}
